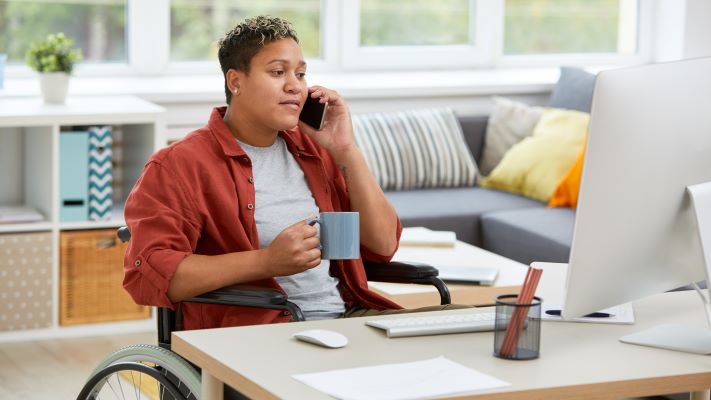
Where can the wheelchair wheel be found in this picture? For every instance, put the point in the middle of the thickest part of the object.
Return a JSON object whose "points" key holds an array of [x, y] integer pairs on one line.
{"points": [[143, 372]]}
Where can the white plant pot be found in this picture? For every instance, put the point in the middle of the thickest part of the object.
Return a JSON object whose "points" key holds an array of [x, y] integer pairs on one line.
{"points": [[53, 86]]}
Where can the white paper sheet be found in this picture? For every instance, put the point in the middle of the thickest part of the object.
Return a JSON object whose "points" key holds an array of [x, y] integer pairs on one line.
{"points": [[415, 380], [622, 314]]}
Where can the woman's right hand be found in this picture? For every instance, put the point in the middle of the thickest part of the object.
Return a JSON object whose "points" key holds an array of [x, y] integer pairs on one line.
{"points": [[294, 250]]}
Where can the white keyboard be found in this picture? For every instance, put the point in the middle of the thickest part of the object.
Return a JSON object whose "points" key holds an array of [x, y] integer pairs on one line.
{"points": [[435, 325]]}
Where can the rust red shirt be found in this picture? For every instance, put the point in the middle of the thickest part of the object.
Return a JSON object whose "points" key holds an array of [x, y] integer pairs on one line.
{"points": [[197, 197]]}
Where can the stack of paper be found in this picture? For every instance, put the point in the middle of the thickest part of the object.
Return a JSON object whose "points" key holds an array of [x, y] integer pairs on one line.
{"points": [[19, 214], [424, 237]]}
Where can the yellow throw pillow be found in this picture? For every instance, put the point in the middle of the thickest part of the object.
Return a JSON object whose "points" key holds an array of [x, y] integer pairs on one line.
{"points": [[534, 166], [566, 194]]}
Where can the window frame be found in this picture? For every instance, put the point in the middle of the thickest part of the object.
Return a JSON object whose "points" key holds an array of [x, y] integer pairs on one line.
{"points": [[481, 52], [148, 44]]}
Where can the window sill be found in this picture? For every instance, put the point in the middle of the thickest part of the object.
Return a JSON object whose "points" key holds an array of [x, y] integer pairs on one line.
{"points": [[356, 85]]}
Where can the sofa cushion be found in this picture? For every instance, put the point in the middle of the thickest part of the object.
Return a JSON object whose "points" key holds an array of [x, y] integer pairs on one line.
{"points": [[415, 149], [509, 123], [574, 90], [534, 166], [454, 209], [531, 234], [566, 194]]}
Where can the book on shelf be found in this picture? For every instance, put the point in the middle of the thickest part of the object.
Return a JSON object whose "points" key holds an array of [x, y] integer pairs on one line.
{"points": [[19, 214]]}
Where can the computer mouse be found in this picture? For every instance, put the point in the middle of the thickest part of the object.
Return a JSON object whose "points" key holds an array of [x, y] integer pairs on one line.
{"points": [[322, 337]]}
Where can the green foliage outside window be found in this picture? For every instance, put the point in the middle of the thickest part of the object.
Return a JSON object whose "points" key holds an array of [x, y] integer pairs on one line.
{"points": [[98, 26], [414, 22], [196, 26], [559, 27], [54, 54]]}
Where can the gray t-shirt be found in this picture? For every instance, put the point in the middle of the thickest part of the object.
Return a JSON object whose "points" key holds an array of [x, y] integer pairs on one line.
{"points": [[282, 199]]}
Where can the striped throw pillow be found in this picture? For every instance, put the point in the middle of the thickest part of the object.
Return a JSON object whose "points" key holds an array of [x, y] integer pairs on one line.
{"points": [[415, 149]]}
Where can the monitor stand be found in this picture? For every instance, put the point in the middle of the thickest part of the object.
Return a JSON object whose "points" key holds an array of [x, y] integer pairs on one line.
{"points": [[680, 337]]}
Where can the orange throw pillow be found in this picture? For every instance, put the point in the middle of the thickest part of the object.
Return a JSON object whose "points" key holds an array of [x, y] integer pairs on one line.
{"points": [[566, 194]]}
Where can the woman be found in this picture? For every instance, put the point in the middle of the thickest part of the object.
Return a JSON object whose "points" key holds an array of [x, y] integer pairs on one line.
{"points": [[227, 204]]}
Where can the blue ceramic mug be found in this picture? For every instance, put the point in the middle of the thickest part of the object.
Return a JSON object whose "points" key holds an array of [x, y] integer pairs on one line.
{"points": [[339, 236]]}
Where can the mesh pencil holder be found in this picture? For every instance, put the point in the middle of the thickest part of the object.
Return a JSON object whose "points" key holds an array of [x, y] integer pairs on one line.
{"points": [[523, 341]]}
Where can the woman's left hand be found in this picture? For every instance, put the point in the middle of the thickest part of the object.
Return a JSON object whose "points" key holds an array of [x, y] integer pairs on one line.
{"points": [[336, 135]]}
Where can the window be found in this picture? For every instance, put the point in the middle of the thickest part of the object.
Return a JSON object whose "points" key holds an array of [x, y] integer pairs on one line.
{"points": [[573, 26], [157, 37], [98, 27], [196, 26]]}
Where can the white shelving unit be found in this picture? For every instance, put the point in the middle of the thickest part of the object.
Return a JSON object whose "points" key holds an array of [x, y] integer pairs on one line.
{"points": [[29, 176]]}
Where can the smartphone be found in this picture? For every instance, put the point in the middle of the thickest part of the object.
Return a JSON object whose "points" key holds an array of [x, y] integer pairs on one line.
{"points": [[314, 113]]}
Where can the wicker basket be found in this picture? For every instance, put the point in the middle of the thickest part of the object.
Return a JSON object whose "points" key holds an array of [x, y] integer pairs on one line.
{"points": [[91, 276]]}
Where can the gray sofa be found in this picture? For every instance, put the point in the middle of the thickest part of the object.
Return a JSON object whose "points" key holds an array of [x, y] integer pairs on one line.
{"points": [[513, 226]]}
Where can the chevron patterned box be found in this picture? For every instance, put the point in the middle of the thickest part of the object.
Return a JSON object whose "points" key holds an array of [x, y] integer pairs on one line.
{"points": [[100, 176]]}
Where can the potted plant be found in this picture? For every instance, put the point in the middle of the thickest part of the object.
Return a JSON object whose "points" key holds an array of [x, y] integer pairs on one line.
{"points": [[54, 59]]}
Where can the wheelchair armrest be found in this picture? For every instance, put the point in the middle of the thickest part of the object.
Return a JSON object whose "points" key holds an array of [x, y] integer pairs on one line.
{"points": [[410, 272], [235, 295], [250, 296], [398, 272]]}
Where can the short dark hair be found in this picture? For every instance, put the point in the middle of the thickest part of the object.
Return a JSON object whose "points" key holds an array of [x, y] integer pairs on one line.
{"points": [[242, 43]]}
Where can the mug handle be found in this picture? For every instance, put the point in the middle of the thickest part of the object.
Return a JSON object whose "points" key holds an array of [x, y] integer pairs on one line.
{"points": [[312, 222]]}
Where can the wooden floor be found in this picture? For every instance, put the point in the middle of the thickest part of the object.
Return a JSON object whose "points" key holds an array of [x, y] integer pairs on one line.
{"points": [[56, 369]]}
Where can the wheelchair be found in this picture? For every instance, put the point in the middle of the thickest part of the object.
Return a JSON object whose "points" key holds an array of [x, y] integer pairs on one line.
{"points": [[155, 372]]}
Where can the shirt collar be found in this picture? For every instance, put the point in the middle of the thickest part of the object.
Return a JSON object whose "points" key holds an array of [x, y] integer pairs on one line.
{"points": [[230, 147], [222, 133]]}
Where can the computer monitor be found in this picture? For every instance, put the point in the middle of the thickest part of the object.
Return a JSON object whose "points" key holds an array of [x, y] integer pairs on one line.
{"points": [[636, 231]]}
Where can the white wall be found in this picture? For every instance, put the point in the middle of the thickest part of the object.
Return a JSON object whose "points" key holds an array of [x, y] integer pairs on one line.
{"points": [[697, 29], [682, 29]]}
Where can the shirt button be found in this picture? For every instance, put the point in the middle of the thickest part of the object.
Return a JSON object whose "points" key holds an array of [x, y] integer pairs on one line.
{"points": [[285, 313], [250, 206], [251, 180], [137, 263], [245, 159]]}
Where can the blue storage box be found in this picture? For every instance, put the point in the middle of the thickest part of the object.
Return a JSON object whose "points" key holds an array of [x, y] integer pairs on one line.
{"points": [[73, 176]]}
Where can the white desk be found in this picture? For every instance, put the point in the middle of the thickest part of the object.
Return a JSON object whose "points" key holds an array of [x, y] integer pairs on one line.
{"points": [[511, 274], [577, 360]]}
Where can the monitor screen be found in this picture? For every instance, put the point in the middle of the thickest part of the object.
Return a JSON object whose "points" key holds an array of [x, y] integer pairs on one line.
{"points": [[635, 233]]}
